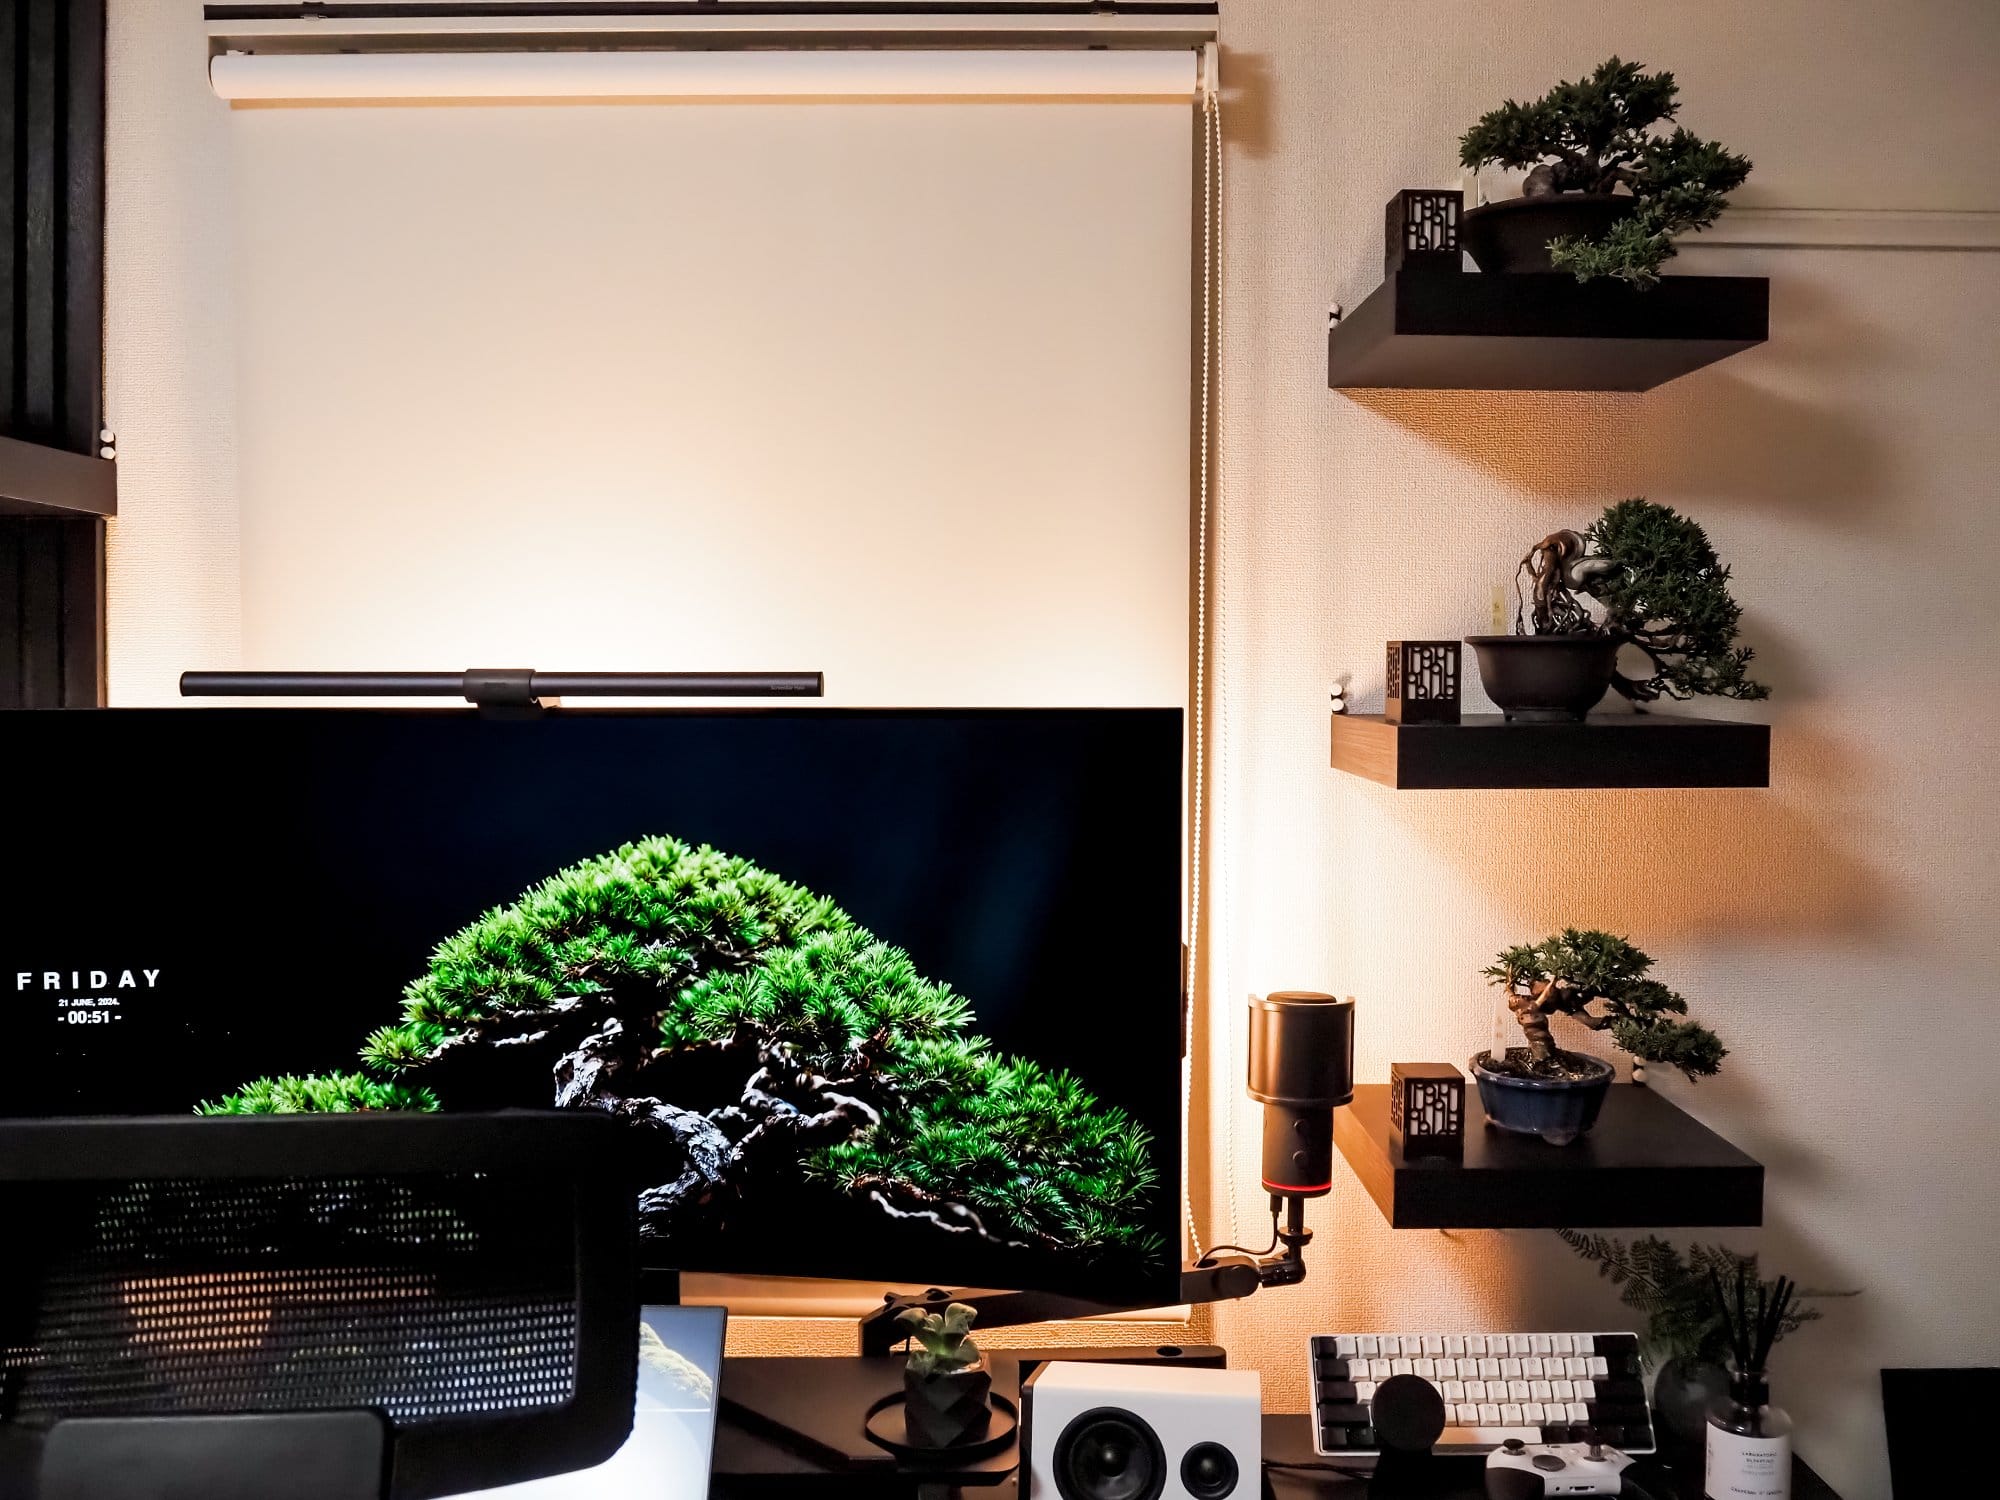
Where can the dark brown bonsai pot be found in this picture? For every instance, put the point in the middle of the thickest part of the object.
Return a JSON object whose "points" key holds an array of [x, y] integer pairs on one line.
{"points": [[1513, 235], [1545, 679], [946, 1408]]}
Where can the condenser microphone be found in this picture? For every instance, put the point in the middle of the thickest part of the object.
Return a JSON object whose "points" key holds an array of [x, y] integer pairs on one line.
{"points": [[1301, 1070]]}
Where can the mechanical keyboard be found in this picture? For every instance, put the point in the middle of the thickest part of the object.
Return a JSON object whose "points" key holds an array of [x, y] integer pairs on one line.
{"points": [[1538, 1387]]}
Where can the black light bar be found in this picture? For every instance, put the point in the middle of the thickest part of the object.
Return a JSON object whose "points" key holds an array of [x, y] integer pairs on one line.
{"points": [[494, 687]]}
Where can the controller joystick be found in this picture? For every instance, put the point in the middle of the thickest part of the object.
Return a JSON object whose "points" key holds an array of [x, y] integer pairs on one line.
{"points": [[1527, 1471]]}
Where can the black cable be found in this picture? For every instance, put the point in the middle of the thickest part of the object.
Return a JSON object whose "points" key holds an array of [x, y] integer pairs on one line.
{"points": [[1215, 1250], [1319, 1468]]}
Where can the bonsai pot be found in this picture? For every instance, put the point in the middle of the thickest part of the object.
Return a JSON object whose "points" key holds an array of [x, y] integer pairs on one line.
{"points": [[1557, 1109], [947, 1408], [1514, 234], [1545, 679]]}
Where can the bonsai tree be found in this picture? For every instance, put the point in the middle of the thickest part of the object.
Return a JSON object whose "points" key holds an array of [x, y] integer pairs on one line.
{"points": [[1676, 1292], [764, 1042], [1599, 982], [1661, 588], [1596, 136]]}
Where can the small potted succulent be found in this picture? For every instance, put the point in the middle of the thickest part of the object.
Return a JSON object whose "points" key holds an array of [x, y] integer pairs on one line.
{"points": [[1605, 195], [1542, 1090], [945, 1380], [1660, 588]]}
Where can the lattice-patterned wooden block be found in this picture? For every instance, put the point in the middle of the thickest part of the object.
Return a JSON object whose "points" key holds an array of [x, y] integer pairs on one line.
{"points": [[1427, 1108], [1421, 682]]}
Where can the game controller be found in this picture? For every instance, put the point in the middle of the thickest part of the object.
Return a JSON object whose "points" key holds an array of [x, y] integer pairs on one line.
{"points": [[1520, 1471]]}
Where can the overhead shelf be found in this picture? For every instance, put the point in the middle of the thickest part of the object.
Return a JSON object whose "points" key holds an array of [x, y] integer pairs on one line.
{"points": [[1484, 751], [52, 482], [1646, 1164], [1431, 329]]}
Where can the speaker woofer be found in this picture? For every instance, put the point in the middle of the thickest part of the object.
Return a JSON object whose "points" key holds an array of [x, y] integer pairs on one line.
{"points": [[1109, 1453], [1208, 1471]]}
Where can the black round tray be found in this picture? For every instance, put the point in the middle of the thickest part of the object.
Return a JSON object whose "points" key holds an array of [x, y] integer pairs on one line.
{"points": [[886, 1429]]}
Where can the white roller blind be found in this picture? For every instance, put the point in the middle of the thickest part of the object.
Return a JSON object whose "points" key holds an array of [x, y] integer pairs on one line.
{"points": [[895, 390]]}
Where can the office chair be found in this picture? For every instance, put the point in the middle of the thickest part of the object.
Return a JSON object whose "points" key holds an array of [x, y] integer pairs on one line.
{"points": [[327, 1307]]}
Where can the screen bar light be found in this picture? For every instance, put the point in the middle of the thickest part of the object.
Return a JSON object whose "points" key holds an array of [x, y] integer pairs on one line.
{"points": [[488, 687]]}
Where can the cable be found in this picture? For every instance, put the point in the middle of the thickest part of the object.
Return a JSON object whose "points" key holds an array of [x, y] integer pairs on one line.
{"points": [[1215, 1250], [1312, 1468]]}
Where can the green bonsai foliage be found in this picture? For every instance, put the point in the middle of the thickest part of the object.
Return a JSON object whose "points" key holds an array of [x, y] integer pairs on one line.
{"points": [[1676, 1291], [761, 1036], [1662, 589], [944, 1339], [1569, 973], [1595, 136]]}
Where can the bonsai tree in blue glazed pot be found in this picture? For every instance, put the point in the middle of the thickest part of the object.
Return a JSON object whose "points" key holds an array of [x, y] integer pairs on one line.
{"points": [[1600, 982]]}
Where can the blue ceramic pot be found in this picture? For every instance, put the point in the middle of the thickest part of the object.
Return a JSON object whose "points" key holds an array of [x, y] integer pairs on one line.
{"points": [[1556, 1109]]}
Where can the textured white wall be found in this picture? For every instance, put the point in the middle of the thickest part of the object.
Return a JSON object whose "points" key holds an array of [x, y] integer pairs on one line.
{"points": [[1835, 928]]}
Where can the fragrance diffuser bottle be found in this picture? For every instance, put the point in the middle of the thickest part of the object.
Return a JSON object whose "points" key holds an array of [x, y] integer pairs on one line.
{"points": [[1749, 1443]]}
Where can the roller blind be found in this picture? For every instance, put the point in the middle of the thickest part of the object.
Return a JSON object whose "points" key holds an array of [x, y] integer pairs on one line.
{"points": [[896, 390]]}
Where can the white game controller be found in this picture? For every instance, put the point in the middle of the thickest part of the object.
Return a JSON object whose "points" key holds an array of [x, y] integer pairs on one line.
{"points": [[1517, 1471]]}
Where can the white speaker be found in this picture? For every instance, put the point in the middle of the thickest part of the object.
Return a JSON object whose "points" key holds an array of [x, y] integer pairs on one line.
{"points": [[1142, 1432]]}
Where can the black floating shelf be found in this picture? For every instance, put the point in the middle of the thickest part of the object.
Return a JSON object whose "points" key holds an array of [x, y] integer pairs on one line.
{"points": [[1646, 1164], [1485, 752], [52, 482], [1426, 328]]}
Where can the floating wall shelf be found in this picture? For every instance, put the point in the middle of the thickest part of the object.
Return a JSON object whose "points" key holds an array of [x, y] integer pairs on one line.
{"points": [[1483, 751], [52, 482], [1646, 1164], [1427, 328]]}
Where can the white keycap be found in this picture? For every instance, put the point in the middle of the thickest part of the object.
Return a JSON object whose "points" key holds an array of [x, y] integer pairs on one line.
{"points": [[1402, 1367], [1467, 1368], [1531, 1366], [1517, 1390], [1475, 1344], [1539, 1343], [1575, 1367], [1433, 1345], [1391, 1344], [1344, 1344], [1454, 1345], [1485, 1435], [1535, 1412], [1517, 1344], [1378, 1369], [1511, 1368], [1489, 1369], [1578, 1412], [1586, 1390], [1586, 1343], [1496, 1344], [1540, 1390], [1475, 1390], [1565, 1343], [1424, 1367], [1454, 1390], [1364, 1390], [1600, 1368], [1489, 1413], [1565, 1390], [1468, 1414], [1510, 1414], [1368, 1344]]}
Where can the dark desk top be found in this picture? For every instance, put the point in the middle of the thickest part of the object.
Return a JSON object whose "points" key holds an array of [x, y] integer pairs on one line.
{"points": [[1288, 1440]]}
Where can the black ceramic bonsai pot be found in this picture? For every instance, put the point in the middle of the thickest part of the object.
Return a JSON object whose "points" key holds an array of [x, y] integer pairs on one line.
{"points": [[1514, 234], [1559, 1110], [1545, 679], [947, 1408]]}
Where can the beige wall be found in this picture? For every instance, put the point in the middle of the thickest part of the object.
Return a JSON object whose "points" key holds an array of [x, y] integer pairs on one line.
{"points": [[1835, 929]]}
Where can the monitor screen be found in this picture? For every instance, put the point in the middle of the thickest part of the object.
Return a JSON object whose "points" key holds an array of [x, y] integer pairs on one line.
{"points": [[890, 995]]}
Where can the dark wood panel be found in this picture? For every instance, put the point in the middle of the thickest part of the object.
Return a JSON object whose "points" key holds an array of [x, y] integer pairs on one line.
{"points": [[39, 155], [81, 413], [1483, 751]]}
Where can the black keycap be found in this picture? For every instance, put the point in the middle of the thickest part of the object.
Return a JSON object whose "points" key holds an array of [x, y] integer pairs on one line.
{"points": [[1338, 1390], [1322, 1345], [1556, 1432], [1350, 1413], [1609, 1344], [1332, 1369], [1362, 1437], [1614, 1413], [1332, 1435]]}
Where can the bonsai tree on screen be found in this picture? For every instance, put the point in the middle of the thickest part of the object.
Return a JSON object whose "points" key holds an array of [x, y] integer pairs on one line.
{"points": [[761, 1037], [1596, 135], [1599, 982], [1661, 588]]}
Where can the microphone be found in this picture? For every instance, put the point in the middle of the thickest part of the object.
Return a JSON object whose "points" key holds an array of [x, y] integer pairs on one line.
{"points": [[1301, 1070]]}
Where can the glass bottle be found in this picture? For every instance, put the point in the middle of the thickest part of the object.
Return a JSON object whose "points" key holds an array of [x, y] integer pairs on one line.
{"points": [[1749, 1443]]}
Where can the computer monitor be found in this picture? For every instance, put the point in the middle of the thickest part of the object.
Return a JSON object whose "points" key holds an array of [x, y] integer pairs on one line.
{"points": [[889, 995]]}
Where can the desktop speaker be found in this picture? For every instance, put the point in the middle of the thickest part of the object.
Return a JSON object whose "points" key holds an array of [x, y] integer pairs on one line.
{"points": [[1142, 1432]]}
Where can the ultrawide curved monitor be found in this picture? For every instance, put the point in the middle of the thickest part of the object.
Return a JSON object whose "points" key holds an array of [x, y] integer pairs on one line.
{"points": [[888, 995]]}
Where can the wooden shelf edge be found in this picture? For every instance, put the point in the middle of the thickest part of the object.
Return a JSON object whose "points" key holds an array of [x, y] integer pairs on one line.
{"points": [[39, 481], [1617, 752]]}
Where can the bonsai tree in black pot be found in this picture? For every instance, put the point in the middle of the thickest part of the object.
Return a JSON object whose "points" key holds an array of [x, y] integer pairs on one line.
{"points": [[1604, 195], [945, 1381], [1599, 982], [1661, 590]]}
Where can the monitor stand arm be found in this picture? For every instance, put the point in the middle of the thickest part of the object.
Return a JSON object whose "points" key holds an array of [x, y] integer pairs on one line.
{"points": [[1212, 1279]]}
